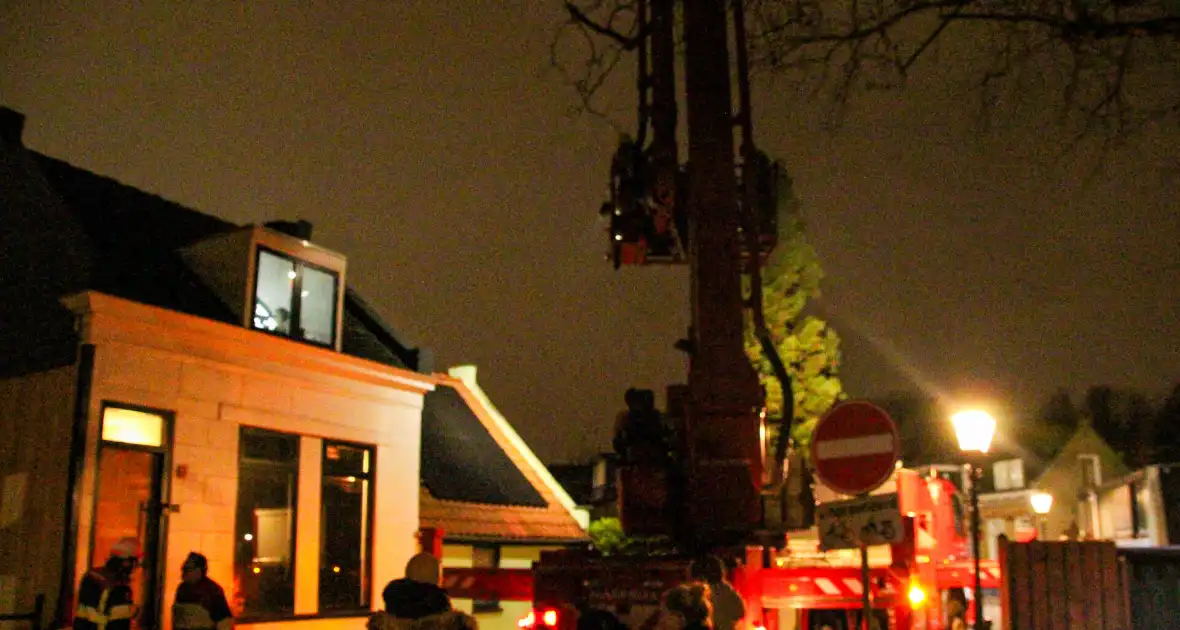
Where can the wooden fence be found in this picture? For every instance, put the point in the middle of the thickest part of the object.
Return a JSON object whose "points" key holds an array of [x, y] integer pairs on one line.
{"points": [[1063, 586]]}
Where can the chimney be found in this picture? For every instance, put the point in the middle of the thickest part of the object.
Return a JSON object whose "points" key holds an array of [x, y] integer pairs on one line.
{"points": [[299, 229], [12, 126]]}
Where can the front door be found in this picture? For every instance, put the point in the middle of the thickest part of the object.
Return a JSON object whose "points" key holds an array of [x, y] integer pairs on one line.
{"points": [[130, 501]]}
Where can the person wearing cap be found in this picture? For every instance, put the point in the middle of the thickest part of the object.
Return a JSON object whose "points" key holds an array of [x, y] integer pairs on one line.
{"points": [[105, 600], [200, 602]]}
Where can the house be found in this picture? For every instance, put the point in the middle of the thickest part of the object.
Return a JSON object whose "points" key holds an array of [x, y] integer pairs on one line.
{"points": [[531, 511], [213, 387], [1141, 509], [1070, 476], [592, 485]]}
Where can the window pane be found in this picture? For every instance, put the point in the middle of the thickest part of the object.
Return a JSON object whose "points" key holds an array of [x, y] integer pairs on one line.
{"points": [[264, 572], [132, 427], [272, 293], [345, 537], [343, 460], [317, 309]]}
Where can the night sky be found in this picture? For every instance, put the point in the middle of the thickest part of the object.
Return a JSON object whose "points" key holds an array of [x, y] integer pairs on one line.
{"points": [[431, 143]]}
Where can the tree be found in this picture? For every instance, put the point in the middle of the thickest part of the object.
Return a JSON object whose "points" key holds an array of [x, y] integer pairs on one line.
{"points": [[1114, 65], [1054, 424], [1167, 429], [1126, 420], [807, 345], [607, 536]]}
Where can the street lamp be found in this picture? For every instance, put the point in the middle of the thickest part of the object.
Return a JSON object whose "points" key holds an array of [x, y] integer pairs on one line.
{"points": [[1042, 502], [974, 430]]}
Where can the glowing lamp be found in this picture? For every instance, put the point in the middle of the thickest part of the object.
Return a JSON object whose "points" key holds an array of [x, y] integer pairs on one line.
{"points": [[1042, 502], [974, 429], [550, 618], [527, 621], [916, 595]]}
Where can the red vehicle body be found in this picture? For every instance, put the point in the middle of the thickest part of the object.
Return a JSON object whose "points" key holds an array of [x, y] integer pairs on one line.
{"points": [[802, 587]]}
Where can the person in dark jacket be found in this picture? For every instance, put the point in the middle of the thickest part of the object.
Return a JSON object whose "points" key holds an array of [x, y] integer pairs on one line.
{"points": [[200, 602], [413, 598], [105, 600]]}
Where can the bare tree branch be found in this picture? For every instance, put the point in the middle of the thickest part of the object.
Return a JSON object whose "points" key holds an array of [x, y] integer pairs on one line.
{"points": [[1113, 66]]}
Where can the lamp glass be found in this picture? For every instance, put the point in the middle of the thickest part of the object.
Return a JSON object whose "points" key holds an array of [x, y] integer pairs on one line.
{"points": [[974, 429], [1042, 502]]}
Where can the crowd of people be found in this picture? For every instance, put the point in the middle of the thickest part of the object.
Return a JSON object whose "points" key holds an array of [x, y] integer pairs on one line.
{"points": [[415, 602]]}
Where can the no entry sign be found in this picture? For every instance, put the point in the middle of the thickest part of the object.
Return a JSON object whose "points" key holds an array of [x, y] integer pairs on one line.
{"points": [[855, 447]]}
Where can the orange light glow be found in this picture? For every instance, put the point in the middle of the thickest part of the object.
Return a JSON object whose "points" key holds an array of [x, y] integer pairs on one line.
{"points": [[916, 595], [527, 621], [550, 617], [258, 569], [335, 569]]}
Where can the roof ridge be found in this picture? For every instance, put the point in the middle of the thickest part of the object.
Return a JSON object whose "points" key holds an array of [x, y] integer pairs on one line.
{"points": [[130, 188]]}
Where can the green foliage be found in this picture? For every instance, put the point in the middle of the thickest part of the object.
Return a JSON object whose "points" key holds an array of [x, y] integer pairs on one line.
{"points": [[607, 536], [808, 346]]}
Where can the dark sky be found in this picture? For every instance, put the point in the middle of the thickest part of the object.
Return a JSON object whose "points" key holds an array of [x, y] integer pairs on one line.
{"points": [[430, 143]]}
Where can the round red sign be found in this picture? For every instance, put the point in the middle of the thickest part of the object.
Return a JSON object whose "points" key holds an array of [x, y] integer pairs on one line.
{"points": [[855, 447]]}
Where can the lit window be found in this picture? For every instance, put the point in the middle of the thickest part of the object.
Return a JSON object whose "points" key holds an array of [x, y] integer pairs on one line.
{"points": [[1009, 474], [295, 299], [132, 427], [485, 557], [264, 540], [345, 527]]}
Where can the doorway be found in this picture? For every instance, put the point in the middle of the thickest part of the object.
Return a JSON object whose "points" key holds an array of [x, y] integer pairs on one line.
{"points": [[131, 500]]}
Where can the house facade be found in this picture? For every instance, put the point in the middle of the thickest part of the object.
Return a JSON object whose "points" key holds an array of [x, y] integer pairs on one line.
{"points": [[198, 386], [507, 526], [1070, 477]]}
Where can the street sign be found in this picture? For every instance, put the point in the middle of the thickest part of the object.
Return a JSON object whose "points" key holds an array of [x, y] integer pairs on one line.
{"points": [[854, 447], [873, 520]]}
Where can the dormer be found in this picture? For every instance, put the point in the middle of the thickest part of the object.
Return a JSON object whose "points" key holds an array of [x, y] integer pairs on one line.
{"points": [[275, 280]]}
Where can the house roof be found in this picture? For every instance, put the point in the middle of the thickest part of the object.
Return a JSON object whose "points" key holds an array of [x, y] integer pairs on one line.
{"points": [[542, 512], [67, 230], [461, 460], [124, 242]]}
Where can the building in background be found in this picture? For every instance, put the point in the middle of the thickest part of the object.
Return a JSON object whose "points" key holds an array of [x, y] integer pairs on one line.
{"points": [[1071, 476], [488, 502], [593, 486], [1141, 509]]}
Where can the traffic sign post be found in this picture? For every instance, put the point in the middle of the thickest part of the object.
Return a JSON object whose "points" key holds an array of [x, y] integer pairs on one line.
{"points": [[854, 449], [871, 520]]}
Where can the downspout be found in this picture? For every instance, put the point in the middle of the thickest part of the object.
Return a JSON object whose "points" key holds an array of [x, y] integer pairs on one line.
{"points": [[63, 612]]}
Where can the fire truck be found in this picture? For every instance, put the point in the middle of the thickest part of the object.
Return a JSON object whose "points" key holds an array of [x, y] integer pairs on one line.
{"points": [[922, 582], [703, 476]]}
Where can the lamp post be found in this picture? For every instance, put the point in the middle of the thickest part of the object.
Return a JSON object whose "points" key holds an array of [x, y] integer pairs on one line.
{"points": [[974, 430], [1041, 502]]}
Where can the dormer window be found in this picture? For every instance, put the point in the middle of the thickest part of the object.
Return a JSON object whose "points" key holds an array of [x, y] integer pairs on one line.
{"points": [[295, 298], [275, 281]]}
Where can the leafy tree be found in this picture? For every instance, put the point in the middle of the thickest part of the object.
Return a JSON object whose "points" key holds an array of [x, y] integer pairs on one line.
{"points": [[608, 537], [807, 345]]}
